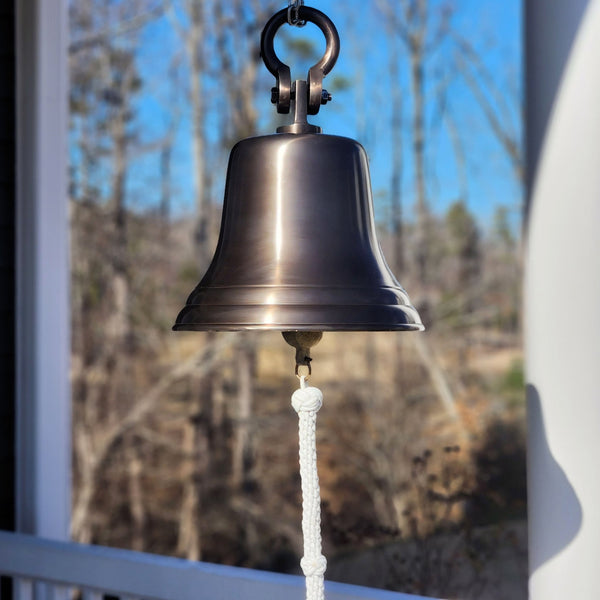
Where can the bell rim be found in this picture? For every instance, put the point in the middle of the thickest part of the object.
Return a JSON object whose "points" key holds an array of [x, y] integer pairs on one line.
{"points": [[299, 317], [341, 327]]}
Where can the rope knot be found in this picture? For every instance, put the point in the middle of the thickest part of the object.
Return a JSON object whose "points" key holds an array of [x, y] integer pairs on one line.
{"points": [[313, 566], [307, 399]]}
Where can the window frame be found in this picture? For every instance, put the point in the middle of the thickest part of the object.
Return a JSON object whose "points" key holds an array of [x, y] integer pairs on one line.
{"points": [[42, 336]]}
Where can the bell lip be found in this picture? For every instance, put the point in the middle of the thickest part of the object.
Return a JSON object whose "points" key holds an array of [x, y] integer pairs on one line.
{"points": [[315, 317], [300, 327]]}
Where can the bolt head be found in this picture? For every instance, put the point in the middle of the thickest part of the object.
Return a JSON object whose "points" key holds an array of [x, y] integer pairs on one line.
{"points": [[325, 97]]}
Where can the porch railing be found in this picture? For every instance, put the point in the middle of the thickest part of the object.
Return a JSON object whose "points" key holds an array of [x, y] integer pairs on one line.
{"points": [[52, 570]]}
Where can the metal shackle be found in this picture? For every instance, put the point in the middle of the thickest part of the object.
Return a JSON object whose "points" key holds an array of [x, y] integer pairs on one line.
{"points": [[282, 92]]}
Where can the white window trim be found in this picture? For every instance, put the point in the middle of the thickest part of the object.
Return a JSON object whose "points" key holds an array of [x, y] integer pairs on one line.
{"points": [[43, 427]]}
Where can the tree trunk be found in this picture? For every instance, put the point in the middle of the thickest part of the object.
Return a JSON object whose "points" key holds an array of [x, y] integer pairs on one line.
{"points": [[194, 46], [396, 182], [118, 324], [242, 448], [418, 149], [136, 497], [189, 541]]}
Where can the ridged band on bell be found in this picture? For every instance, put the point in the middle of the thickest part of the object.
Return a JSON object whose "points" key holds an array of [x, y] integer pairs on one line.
{"points": [[297, 248]]}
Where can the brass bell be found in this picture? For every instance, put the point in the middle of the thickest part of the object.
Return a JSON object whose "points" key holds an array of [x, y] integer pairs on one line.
{"points": [[297, 249]]}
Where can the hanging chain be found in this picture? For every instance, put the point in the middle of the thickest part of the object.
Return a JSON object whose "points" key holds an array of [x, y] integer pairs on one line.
{"points": [[293, 15]]}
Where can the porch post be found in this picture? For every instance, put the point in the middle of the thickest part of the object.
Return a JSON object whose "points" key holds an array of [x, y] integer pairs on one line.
{"points": [[562, 297], [43, 428]]}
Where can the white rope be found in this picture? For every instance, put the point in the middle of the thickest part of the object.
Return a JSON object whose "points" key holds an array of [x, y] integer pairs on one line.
{"points": [[306, 402]]}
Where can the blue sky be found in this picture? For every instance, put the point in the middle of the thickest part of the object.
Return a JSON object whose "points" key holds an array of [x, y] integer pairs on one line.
{"points": [[363, 112]]}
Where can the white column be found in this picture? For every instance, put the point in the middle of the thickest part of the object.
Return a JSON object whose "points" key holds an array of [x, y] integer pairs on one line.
{"points": [[562, 294], [43, 394]]}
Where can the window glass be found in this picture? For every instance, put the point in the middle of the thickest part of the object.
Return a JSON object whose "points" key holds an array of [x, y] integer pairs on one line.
{"points": [[185, 443]]}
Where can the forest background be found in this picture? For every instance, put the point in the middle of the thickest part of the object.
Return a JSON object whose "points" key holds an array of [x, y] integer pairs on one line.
{"points": [[184, 443]]}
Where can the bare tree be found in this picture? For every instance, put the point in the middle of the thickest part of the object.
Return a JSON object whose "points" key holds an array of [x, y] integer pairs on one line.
{"points": [[94, 443], [501, 113], [421, 27], [190, 22]]}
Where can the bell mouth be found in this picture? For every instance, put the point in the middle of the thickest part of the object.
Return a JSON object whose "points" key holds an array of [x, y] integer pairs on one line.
{"points": [[299, 317]]}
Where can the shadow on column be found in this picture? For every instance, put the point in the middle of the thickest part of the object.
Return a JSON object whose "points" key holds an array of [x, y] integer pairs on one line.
{"points": [[558, 524]]}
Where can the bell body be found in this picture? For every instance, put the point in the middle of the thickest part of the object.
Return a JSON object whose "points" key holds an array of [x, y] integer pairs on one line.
{"points": [[297, 248]]}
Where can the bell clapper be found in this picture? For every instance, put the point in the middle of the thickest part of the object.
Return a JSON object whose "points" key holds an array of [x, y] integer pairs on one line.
{"points": [[303, 341]]}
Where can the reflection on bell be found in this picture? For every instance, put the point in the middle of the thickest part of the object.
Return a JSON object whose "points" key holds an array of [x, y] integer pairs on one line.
{"points": [[297, 248]]}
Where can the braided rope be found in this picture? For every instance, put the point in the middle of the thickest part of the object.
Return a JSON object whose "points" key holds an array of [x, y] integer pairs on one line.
{"points": [[306, 402]]}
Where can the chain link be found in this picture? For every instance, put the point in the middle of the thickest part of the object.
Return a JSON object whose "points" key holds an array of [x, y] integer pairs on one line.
{"points": [[293, 16]]}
